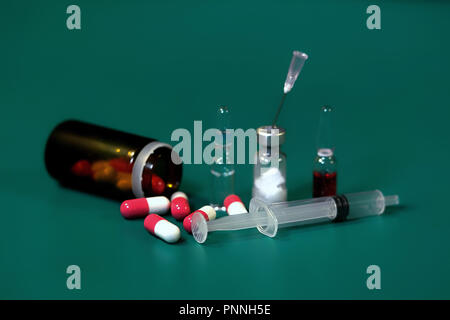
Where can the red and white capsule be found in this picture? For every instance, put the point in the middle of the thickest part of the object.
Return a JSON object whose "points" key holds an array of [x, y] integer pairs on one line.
{"points": [[139, 208], [207, 211], [234, 205], [161, 228], [179, 205]]}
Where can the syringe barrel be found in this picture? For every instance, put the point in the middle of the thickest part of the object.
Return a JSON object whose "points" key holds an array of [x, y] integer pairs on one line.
{"points": [[307, 211], [369, 203], [291, 213], [324, 209]]}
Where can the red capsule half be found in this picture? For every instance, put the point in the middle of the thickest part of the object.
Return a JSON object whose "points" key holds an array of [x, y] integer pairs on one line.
{"points": [[163, 229], [207, 211], [158, 185], [179, 205], [139, 208], [234, 205]]}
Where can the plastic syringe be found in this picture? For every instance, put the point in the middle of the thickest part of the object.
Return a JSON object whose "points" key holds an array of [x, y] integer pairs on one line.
{"points": [[267, 218]]}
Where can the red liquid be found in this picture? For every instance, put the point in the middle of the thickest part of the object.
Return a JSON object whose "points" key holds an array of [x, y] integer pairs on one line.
{"points": [[324, 184]]}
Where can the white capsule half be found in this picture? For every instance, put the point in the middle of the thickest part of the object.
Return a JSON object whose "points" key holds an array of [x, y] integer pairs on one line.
{"points": [[158, 205], [178, 194], [236, 208], [234, 205], [210, 212], [162, 228]]}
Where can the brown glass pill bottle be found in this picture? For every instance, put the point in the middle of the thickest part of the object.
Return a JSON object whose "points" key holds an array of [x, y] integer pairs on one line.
{"points": [[111, 163]]}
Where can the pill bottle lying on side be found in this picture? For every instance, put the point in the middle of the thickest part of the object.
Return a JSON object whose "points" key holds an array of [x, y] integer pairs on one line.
{"points": [[111, 163]]}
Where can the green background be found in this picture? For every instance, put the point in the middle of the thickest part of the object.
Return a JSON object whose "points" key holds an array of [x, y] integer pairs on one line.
{"points": [[149, 67]]}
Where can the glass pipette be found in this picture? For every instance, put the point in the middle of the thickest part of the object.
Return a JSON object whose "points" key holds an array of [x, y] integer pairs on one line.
{"points": [[267, 218], [297, 62]]}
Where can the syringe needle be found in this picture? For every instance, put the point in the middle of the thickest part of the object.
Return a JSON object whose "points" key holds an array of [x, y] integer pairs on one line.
{"points": [[280, 106], [297, 62]]}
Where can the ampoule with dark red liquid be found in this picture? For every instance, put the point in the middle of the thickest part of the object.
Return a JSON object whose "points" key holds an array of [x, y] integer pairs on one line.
{"points": [[324, 170]]}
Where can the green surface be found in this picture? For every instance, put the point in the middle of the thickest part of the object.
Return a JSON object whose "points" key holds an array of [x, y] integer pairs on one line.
{"points": [[150, 67]]}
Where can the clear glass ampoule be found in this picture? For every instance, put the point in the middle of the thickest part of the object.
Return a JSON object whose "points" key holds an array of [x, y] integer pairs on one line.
{"points": [[324, 169], [222, 169]]}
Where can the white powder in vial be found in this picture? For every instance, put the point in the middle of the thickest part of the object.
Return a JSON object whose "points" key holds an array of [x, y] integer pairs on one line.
{"points": [[270, 186]]}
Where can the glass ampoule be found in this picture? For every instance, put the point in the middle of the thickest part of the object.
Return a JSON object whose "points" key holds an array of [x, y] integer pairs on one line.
{"points": [[222, 169], [324, 169]]}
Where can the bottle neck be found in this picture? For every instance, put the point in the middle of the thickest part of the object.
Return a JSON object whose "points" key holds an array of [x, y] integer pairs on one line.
{"points": [[325, 152]]}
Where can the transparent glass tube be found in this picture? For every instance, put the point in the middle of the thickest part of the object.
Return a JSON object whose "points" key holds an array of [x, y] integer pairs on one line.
{"points": [[222, 170], [324, 169]]}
